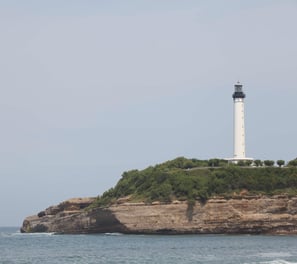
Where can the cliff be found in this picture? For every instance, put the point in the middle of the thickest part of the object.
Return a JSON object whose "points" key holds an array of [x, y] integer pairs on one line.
{"points": [[238, 215]]}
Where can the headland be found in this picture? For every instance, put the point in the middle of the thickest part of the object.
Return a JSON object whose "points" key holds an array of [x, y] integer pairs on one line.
{"points": [[183, 196]]}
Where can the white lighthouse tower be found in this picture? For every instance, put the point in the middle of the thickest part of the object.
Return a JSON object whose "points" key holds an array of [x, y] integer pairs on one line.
{"points": [[239, 129]]}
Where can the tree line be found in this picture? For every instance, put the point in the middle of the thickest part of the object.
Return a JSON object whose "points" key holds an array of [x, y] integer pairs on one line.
{"points": [[184, 163], [267, 163]]}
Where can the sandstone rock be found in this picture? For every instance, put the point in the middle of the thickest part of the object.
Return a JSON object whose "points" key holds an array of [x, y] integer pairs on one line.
{"points": [[156, 203], [124, 199], [247, 215]]}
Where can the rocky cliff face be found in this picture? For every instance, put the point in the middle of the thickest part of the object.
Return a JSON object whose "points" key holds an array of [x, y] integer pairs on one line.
{"points": [[239, 215]]}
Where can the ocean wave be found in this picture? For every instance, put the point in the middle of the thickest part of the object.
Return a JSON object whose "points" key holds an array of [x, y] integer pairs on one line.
{"points": [[33, 234], [113, 234], [276, 261], [275, 254]]}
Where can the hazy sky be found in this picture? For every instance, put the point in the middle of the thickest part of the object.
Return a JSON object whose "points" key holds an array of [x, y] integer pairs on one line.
{"points": [[90, 89]]}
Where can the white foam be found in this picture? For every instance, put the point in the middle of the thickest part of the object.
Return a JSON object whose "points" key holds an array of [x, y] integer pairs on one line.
{"points": [[276, 261], [113, 234], [275, 255], [33, 234]]}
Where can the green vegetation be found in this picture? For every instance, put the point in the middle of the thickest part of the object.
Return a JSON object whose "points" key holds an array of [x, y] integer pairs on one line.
{"points": [[245, 163], [268, 163], [280, 163], [293, 163], [197, 180], [258, 163]]}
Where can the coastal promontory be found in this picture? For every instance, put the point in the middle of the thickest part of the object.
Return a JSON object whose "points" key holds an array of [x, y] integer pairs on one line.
{"points": [[183, 197]]}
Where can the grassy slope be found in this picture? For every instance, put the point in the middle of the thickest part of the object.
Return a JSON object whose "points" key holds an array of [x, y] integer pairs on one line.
{"points": [[192, 180]]}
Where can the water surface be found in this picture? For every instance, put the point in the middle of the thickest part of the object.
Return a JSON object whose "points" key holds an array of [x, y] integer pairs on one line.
{"points": [[116, 248]]}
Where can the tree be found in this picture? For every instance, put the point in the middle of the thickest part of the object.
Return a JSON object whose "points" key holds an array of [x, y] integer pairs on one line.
{"points": [[161, 192], [280, 163], [258, 163], [293, 163], [241, 163], [249, 162], [213, 163], [268, 163]]}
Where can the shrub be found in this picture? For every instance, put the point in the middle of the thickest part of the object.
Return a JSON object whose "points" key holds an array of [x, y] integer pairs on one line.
{"points": [[293, 163], [280, 163], [258, 163], [268, 163]]}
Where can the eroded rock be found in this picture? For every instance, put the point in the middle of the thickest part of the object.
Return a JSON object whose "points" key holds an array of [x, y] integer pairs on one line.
{"points": [[247, 215]]}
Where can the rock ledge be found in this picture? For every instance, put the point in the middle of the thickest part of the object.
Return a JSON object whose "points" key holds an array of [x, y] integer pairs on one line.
{"points": [[239, 215]]}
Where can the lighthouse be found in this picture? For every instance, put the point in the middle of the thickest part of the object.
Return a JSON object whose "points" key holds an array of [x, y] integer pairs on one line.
{"points": [[239, 129]]}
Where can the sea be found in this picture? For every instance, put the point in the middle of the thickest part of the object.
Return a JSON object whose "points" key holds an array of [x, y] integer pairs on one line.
{"points": [[118, 248]]}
